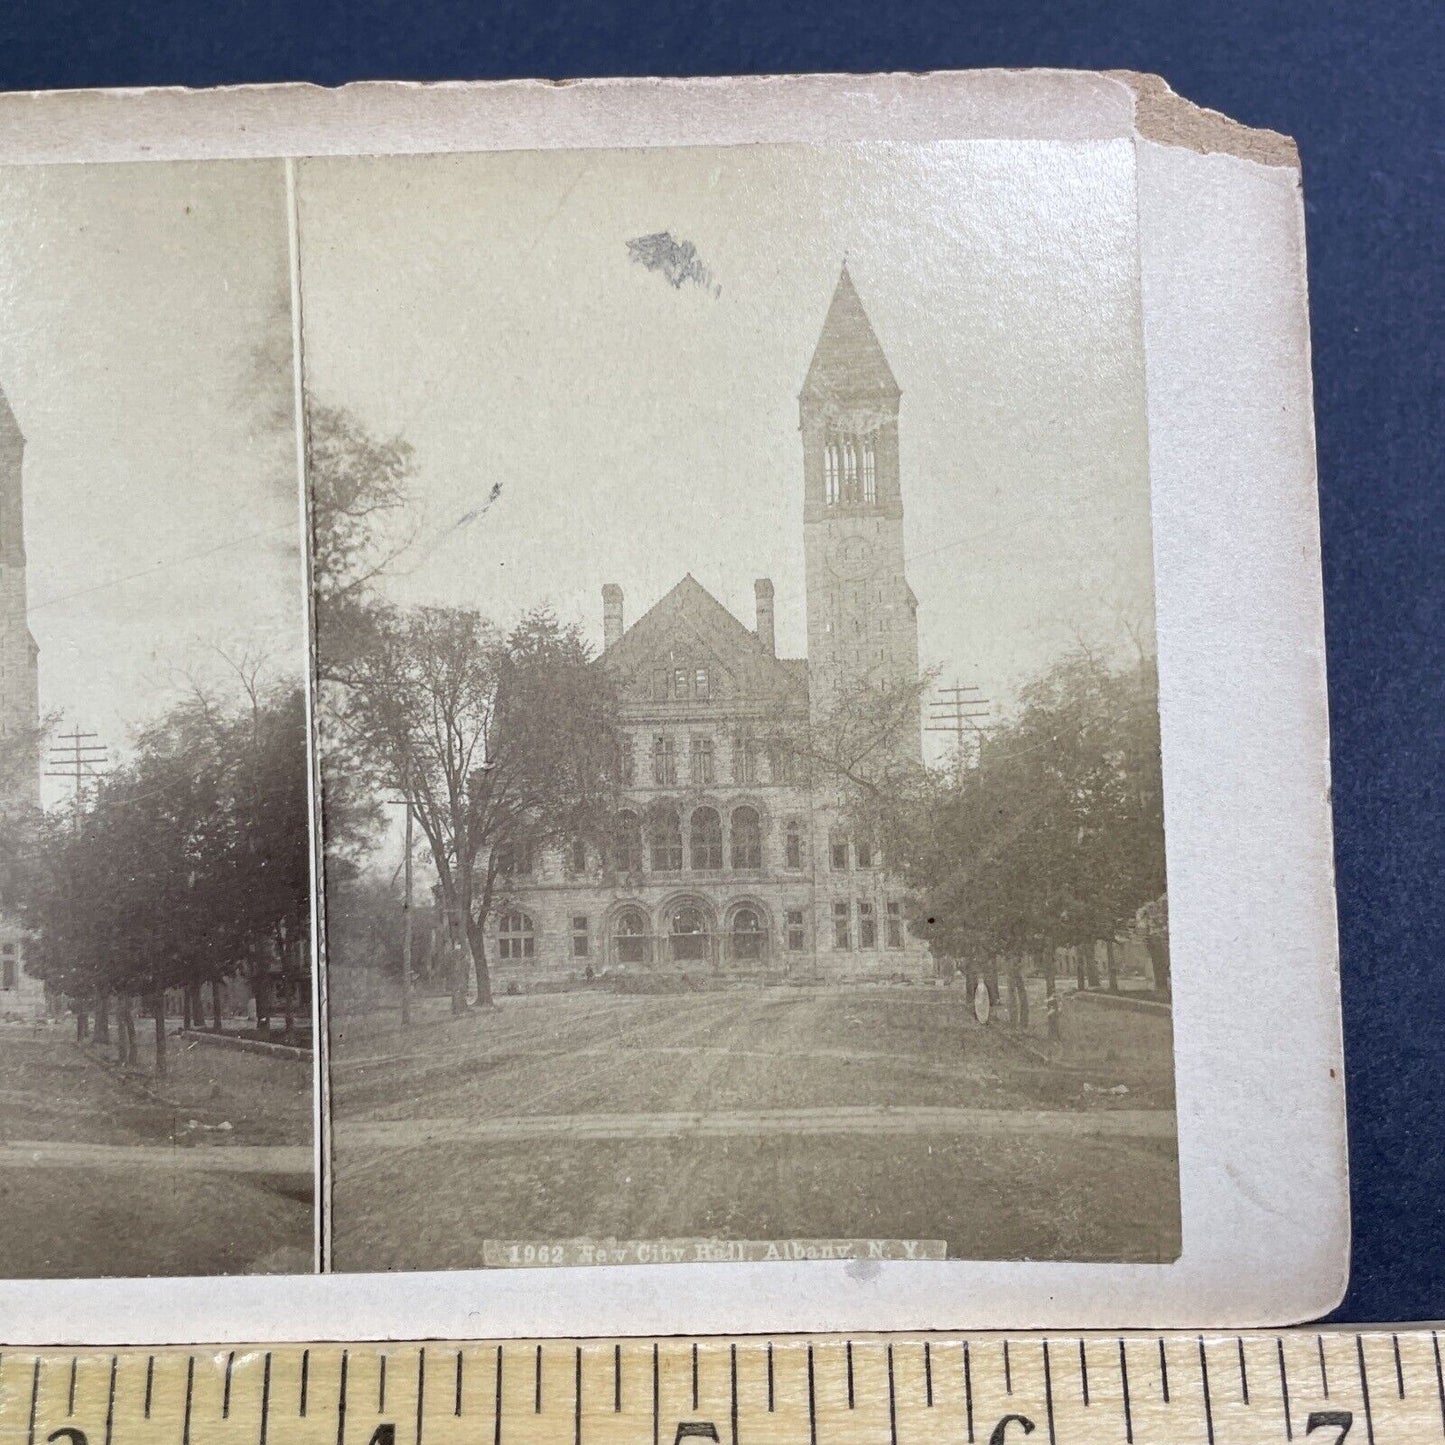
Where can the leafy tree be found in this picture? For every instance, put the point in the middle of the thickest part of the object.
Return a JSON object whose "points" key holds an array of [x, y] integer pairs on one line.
{"points": [[496, 742], [1056, 839], [189, 863]]}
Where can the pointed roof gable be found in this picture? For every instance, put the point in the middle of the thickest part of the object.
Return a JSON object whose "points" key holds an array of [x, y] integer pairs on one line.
{"points": [[848, 360], [690, 620]]}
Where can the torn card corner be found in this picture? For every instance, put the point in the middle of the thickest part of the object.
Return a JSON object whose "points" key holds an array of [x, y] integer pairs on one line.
{"points": [[1161, 114]]}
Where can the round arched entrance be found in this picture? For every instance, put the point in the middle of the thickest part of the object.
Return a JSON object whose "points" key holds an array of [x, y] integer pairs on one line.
{"points": [[690, 930], [748, 929], [629, 936]]}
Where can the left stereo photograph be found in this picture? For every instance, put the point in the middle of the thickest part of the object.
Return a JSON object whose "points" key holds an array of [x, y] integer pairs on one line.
{"points": [[157, 1085]]}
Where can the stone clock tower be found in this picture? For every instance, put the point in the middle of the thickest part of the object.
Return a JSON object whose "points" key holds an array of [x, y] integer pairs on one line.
{"points": [[862, 614], [19, 691], [21, 996]]}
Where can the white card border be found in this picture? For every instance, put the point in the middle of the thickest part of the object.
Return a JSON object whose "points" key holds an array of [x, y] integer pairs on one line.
{"points": [[1259, 1065]]}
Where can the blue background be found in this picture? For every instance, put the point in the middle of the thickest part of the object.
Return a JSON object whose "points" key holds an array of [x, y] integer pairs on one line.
{"points": [[1360, 85]]}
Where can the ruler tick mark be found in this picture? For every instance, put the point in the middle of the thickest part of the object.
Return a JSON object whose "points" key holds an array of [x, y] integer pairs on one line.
{"points": [[150, 1378], [694, 1377], [190, 1393], [1399, 1368], [968, 1392], [1049, 1393], [70, 1398], [850, 1373], [1163, 1371], [892, 1400], [226, 1392], [1324, 1373], [537, 1390], [34, 1398], [1439, 1377], [1124, 1383], [1284, 1388], [656, 1395], [1243, 1373], [420, 1391], [1365, 1389], [928, 1374], [770, 1375], [305, 1373], [110, 1405], [265, 1397], [457, 1396], [497, 1421], [617, 1379], [341, 1401], [733, 1376], [812, 1402], [577, 1401], [1084, 1370], [1008, 1378], [1204, 1385], [381, 1386]]}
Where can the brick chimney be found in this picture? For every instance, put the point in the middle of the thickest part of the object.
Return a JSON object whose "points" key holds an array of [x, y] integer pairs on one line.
{"points": [[763, 593], [611, 615]]}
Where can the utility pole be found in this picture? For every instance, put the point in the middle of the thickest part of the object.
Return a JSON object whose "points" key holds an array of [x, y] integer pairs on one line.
{"points": [[406, 910], [961, 713], [75, 757]]}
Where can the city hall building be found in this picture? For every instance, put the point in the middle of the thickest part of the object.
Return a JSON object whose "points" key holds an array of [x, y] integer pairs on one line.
{"points": [[722, 855]]}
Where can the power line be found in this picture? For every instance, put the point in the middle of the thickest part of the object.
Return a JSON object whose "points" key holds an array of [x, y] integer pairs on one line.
{"points": [[960, 712], [76, 758]]}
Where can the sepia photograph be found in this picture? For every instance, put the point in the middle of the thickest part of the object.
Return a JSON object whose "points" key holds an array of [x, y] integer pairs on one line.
{"points": [[738, 706], [156, 1016]]}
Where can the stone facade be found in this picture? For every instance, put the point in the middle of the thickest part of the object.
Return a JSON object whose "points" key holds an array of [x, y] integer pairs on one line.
{"points": [[723, 856], [20, 995]]}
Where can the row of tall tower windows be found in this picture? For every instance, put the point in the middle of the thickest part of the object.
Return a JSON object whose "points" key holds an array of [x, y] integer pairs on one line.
{"points": [[850, 471]]}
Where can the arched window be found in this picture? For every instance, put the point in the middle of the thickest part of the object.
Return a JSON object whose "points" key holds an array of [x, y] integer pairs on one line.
{"points": [[830, 474], [870, 473], [629, 936], [627, 843], [850, 471], [794, 845], [664, 836], [749, 935], [577, 856], [688, 930], [747, 838], [706, 840], [516, 939]]}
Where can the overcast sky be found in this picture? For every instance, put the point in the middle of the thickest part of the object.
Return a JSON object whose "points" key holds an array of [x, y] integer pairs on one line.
{"points": [[486, 309], [145, 349]]}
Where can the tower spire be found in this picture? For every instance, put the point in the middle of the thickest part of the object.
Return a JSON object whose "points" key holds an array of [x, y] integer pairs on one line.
{"points": [[848, 362]]}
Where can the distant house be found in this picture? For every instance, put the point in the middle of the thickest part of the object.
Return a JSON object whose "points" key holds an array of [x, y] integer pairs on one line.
{"points": [[722, 854]]}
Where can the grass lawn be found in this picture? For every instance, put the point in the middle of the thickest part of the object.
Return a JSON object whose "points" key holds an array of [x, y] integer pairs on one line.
{"points": [[115, 1217], [412, 1203]]}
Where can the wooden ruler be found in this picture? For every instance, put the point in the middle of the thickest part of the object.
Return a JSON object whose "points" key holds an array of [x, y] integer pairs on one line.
{"points": [[1367, 1388]]}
